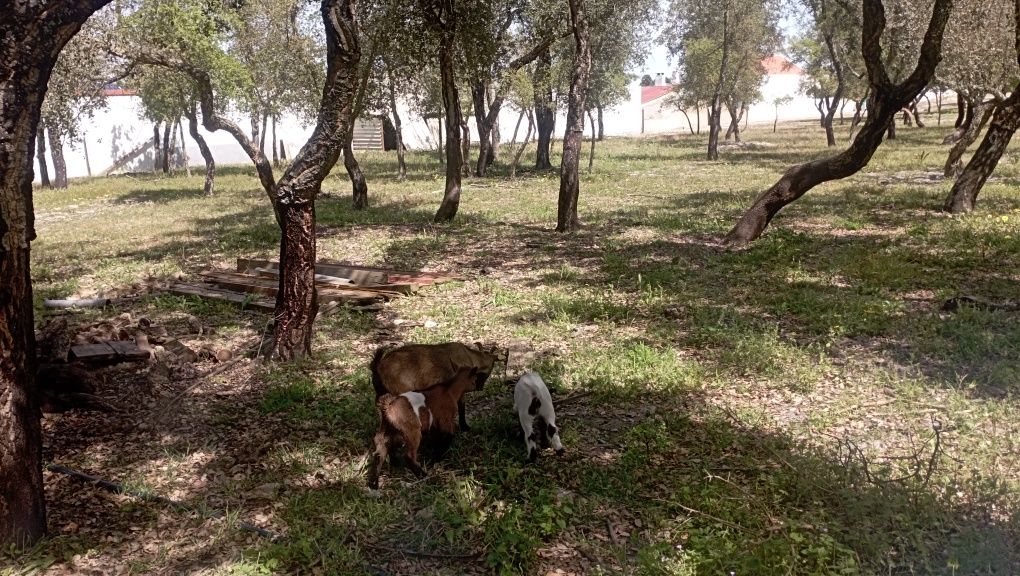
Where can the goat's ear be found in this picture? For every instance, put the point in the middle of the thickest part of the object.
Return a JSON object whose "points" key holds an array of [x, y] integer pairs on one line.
{"points": [[472, 372], [479, 346]]}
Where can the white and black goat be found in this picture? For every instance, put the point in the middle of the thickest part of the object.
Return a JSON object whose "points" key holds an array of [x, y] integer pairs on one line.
{"points": [[538, 419]]}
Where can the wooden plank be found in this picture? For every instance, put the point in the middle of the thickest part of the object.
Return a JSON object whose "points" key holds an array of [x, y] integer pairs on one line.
{"points": [[344, 283], [108, 351], [206, 291], [247, 283], [100, 351], [358, 274]]}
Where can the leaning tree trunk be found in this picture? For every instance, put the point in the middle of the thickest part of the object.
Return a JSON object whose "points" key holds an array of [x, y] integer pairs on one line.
{"points": [[359, 187], [964, 118], [57, 151], [954, 161], [210, 163], [401, 162], [446, 24], [545, 112], [34, 34], [1005, 122], [961, 111], [520, 151], [184, 149], [40, 155], [566, 217], [157, 158], [886, 99]]}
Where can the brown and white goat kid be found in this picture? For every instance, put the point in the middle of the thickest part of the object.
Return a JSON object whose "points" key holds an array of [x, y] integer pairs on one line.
{"points": [[418, 366], [411, 418], [538, 419]]}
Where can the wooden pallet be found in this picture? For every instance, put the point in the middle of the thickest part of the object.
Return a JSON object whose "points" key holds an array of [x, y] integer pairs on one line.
{"points": [[359, 275], [259, 285], [108, 352], [214, 293]]}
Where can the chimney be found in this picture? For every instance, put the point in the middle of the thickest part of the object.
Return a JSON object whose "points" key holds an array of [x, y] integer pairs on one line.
{"points": [[660, 79]]}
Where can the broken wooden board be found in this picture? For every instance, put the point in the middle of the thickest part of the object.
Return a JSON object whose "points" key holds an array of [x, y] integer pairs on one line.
{"points": [[214, 293], [247, 283], [343, 283], [111, 351], [360, 275]]}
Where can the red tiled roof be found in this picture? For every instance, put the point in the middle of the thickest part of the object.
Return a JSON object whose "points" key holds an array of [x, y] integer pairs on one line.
{"points": [[777, 64], [649, 93], [119, 92]]}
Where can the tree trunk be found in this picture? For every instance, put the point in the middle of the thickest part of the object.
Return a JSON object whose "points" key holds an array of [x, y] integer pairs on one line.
{"points": [[172, 148], [441, 141], [520, 151], [885, 101], [184, 150], [594, 136], [566, 217], [479, 92], [283, 152], [697, 118], [157, 157], [938, 107], [715, 116], [276, 156], [602, 126], [446, 24], [166, 147], [296, 303], [57, 151], [295, 194], [1005, 122], [954, 161], [401, 162], [210, 163], [890, 132], [961, 110], [733, 122], [690, 126], [465, 145], [262, 134], [359, 187], [545, 111], [33, 33], [254, 119], [40, 155]]}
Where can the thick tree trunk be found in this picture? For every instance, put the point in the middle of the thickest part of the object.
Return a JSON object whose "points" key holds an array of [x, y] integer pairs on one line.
{"points": [[57, 151], [961, 110], [296, 303], [545, 111], [262, 134], [886, 100], [184, 150], [165, 165], [964, 119], [954, 161], [254, 119], [566, 217], [484, 124], [359, 187], [401, 162], [34, 34], [446, 24], [963, 197], [210, 163], [715, 115], [40, 155], [157, 156], [890, 131], [602, 126], [283, 152], [299, 186]]}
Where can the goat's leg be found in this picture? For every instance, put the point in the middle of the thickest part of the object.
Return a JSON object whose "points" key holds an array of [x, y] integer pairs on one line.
{"points": [[412, 441], [381, 448], [463, 420], [527, 425]]}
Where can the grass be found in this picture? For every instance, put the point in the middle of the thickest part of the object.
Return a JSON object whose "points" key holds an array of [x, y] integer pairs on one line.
{"points": [[748, 412]]}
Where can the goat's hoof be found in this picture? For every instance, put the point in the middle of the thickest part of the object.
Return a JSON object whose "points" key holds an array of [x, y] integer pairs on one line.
{"points": [[561, 452], [532, 456]]}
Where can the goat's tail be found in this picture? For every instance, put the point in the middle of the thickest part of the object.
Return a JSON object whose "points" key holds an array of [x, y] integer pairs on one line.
{"points": [[374, 367]]}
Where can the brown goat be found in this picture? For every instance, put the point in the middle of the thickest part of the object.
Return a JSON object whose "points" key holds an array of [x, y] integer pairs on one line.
{"points": [[418, 366], [409, 418]]}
